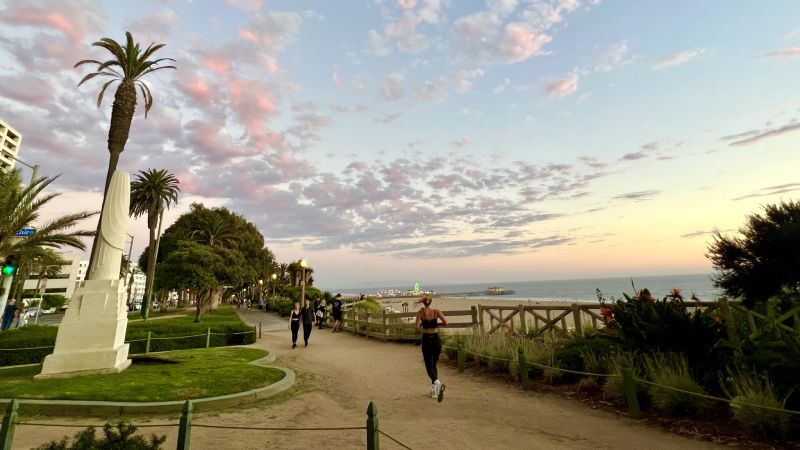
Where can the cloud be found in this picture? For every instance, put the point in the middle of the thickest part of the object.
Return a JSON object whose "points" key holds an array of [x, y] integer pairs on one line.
{"points": [[337, 109], [463, 142], [498, 89], [637, 196], [362, 108], [562, 87], [393, 88], [389, 118], [403, 33], [765, 135], [247, 5], [358, 85], [788, 53], [612, 56], [676, 59], [155, 27], [772, 190], [462, 81], [583, 97], [26, 89], [530, 120], [336, 80], [433, 90], [380, 45]]}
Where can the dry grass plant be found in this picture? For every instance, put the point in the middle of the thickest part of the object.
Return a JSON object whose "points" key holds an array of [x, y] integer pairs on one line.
{"points": [[745, 386], [671, 370]]}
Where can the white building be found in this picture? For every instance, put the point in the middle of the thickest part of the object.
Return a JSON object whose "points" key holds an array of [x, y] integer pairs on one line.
{"points": [[64, 283], [10, 140], [138, 287]]}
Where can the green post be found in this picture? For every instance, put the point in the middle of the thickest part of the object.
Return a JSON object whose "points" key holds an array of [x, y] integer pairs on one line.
{"points": [[461, 356], [730, 326], [523, 370], [147, 346], [373, 437], [208, 338], [185, 427], [259, 329], [10, 422], [629, 386]]}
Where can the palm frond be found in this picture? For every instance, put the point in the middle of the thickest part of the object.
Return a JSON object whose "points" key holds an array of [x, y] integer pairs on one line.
{"points": [[103, 91]]}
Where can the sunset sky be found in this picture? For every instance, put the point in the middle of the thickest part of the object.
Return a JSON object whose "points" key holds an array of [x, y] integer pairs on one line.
{"points": [[450, 141]]}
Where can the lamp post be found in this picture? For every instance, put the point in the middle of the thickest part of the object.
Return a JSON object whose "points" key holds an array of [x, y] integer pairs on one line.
{"points": [[274, 281], [303, 284], [260, 292]]}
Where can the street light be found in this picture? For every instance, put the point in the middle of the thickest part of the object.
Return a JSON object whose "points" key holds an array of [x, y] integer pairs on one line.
{"points": [[274, 281], [260, 292], [303, 284], [35, 168]]}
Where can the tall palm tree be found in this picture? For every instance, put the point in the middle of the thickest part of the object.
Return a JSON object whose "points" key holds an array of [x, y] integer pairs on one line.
{"points": [[151, 192], [20, 206], [217, 231], [129, 65]]}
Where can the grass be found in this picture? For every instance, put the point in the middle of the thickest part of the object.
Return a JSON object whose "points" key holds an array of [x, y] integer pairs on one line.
{"points": [[672, 371], [754, 389], [194, 374]]}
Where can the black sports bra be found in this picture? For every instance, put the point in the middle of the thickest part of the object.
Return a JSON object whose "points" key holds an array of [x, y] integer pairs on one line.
{"points": [[430, 324]]}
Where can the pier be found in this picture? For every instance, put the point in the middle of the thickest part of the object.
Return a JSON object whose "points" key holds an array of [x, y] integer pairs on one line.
{"points": [[478, 293]]}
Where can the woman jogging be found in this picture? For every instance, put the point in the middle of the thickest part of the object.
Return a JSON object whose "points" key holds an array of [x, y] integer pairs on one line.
{"points": [[428, 319], [294, 323]]}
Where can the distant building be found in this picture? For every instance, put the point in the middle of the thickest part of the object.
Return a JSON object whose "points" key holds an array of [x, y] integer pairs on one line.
{"points": [[138, 287], [64, 283], [10, 140]]}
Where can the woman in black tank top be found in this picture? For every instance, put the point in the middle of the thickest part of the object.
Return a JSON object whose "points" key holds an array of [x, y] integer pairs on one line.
{"points": [[294, 323], [428, 319]]}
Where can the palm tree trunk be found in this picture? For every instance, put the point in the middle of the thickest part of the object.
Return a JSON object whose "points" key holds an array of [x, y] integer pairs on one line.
{"points": [[151, 263], [118, 131]]}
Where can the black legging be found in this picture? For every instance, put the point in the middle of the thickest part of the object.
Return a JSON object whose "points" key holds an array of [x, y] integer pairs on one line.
{"points": [[307, 331], [431, 349], [295, 329]]}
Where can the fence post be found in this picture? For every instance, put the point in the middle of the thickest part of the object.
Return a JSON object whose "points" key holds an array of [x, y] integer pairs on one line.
{"points": [[474, 317], [185, 427], [147, 346], [523, 370], [353, 323], [461, 356], [629, 386], [259, 329], [576, 317], [9, 423], [366, 328], [208, 338], [730, 326], [480, 319], [523, 326], [384, 325], [373, 438]]}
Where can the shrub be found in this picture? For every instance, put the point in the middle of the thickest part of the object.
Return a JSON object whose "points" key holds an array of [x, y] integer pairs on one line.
{"points": [[669, 372], [573, 355], [56, 301], [29, 336], [748, 387], [612, 388], [369, 305], [119, 436]]}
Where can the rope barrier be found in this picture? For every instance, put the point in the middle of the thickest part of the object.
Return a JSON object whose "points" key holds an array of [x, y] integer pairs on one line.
{"points": [[137, 340], [61, 425], [174, 337], [29, 348], [224, 427], [395, 440]]}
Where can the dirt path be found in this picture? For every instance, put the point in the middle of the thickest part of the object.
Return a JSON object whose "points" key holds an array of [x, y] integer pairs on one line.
{"points": [[339, 374]]}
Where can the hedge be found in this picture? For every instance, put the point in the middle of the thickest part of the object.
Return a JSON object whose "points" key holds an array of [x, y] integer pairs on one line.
{"points": [[225, 322]]}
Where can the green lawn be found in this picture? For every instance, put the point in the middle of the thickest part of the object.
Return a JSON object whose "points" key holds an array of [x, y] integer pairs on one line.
{"points": [[197, 373]]}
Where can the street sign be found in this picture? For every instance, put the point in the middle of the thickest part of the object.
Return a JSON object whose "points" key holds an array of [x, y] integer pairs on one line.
{"points": [[43, 286], [25, 232]]}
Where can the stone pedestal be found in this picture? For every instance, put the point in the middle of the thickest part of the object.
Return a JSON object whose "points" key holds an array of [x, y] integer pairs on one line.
{"points": [[91, 336]]}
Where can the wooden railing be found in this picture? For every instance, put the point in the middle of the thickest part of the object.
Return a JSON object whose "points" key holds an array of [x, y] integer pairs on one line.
{"points": [[557, 321]]}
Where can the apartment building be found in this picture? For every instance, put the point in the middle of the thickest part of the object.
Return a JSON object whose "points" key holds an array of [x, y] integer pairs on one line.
{"points": [[10, 140], [65, 282]]}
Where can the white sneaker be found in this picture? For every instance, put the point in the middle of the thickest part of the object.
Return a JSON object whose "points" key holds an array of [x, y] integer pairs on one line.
{"points": [[434, 393]]}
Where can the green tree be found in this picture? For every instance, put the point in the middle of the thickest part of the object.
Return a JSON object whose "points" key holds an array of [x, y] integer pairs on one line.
{"points": [[20, 206], [54, 301], [763, 261], [217, 230], [152, 192]]}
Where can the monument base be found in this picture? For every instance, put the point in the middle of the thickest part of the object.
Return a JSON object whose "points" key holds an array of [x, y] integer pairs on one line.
{"points": [[91, 336]]}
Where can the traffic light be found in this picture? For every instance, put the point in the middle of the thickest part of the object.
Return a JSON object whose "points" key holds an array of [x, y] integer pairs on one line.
{"points": [[10, 265]]}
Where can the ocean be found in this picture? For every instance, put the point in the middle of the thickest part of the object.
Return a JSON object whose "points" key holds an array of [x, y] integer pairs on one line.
{"points": [[576, 290]]}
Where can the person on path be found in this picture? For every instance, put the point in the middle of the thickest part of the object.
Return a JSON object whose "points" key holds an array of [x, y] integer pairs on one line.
{"points": [[308, 320], [337, 313], [321, 312], [428, 319], [8, 315], [294, 323], [23, 318]]}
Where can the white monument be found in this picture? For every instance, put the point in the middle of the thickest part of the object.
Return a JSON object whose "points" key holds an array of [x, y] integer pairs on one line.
{"points": [[92, 334]]}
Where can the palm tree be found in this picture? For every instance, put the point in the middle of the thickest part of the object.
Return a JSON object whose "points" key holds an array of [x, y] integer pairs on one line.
{"points": [[46, 264], [20, 206], [128, 66], [151, 192], [217, 231]]}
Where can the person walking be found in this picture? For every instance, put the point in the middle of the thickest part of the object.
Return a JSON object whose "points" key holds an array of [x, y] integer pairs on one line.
{"points": [[8, 315], [321, 312], [294, 323], [308, 320], [337, 313], [24, 315], [428, 319]]}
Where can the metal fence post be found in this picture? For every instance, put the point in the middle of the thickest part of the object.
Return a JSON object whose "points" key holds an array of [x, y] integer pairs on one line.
{"points": [[259, 329], [208, 337], [461, 356], [523, 370], [9, 423], [629, 386], [373, 437], [185, 427], [147, 346]]}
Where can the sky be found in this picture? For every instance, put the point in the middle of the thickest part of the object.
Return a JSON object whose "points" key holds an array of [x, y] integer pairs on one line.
{"points": [[454, 141]]}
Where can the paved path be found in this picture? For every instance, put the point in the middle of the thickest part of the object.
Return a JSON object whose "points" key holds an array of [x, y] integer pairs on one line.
{"points": [[269, 321]]}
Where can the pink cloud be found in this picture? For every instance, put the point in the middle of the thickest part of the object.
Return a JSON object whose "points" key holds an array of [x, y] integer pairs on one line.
{"points": [[217, 61], [563, 87], [520, 42], [247, 5], [788, 53], [248, 35], [336, 80], [27, 89]]}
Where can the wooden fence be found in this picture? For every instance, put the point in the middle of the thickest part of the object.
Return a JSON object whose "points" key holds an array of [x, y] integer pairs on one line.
{"points": [[558, 321]]}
